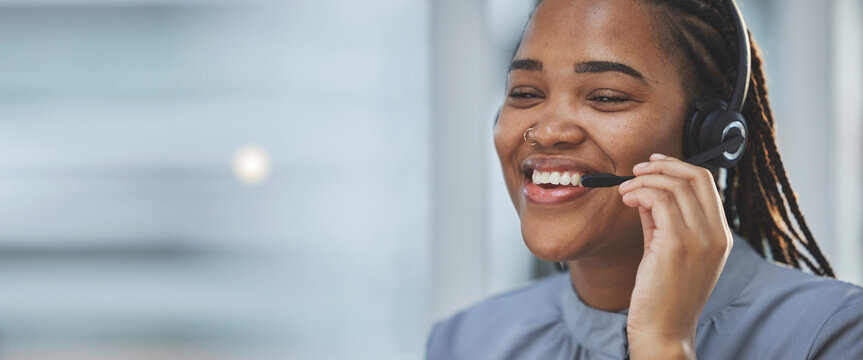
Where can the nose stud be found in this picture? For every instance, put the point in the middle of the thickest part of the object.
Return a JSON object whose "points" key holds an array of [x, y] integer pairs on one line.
{"points": [[525, 137]]}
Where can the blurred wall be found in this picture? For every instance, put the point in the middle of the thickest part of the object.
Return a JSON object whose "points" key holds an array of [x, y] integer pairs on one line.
{"points": [[124, 231]]}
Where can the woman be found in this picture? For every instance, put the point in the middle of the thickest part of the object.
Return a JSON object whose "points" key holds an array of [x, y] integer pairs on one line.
{"points": [[661, 267]]}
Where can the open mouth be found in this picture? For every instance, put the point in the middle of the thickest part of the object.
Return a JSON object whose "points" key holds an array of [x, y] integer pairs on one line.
{"points": [[552, 187], [553, 179]]}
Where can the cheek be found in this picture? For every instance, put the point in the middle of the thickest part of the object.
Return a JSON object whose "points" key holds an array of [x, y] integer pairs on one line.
{"points": [[504, 143], [507, 139], [632, 139], [500, 141], [626, 142]]}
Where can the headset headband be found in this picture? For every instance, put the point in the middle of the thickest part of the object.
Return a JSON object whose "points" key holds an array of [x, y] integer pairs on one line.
{"points": [[744, 60]]}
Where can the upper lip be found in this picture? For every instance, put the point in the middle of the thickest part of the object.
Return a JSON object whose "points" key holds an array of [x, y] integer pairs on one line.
{"points": [[545, 164]]}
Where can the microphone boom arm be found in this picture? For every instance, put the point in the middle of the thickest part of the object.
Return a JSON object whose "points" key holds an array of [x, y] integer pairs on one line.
{"points": [[609, 180]]}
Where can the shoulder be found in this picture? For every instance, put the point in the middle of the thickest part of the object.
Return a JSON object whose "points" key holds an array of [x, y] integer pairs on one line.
{"points": [[780, 287], [781, 284], [832, 312], [802, 311], [507, 318], [840, 335]]}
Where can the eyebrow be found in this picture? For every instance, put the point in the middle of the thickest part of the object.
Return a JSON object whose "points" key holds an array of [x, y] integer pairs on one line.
{"points": [[606, 66], [526, 64], [581, 68]]}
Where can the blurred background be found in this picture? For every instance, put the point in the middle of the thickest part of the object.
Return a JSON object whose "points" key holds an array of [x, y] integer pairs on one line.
{"points": [[237, 179]]}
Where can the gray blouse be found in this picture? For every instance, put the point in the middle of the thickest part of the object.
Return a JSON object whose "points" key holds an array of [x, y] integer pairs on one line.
{"points": [[757, 310]]}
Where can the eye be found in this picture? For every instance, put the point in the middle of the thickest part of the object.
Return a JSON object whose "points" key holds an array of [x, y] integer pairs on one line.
{"points": [[610, 100], [523, 94], [524, 97]]}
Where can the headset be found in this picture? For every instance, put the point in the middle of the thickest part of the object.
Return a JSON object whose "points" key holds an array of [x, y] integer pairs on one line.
{"points": [[713, 122], [714, 135]]}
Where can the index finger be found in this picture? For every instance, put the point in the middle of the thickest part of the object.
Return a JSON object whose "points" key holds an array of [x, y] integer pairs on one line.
{"points": [[699, 178]]}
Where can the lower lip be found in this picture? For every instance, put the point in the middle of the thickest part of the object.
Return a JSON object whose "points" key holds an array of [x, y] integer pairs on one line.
{"points": [[555, 196]]}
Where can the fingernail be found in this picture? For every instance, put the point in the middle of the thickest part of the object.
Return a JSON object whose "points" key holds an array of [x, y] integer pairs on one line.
{"points": [[640, 165], [625, 183], [657, 156]]}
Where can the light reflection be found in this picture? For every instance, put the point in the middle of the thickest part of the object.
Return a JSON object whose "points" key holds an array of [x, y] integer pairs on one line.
{"points": [[251, 164]]}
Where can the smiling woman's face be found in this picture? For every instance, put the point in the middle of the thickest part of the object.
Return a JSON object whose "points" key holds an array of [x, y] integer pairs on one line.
{"points": [[601, 95]]}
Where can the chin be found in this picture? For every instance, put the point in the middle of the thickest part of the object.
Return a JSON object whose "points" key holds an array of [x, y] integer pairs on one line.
{"points": [[554, 247]]}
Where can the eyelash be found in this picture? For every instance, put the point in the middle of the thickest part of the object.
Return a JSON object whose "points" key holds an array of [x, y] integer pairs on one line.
{"points": [[609, 99], [606, 102], [601, 99], [523, 95]]}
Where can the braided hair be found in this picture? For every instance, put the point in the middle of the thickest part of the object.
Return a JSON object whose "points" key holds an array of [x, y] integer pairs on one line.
{"points": [[757, 195]]}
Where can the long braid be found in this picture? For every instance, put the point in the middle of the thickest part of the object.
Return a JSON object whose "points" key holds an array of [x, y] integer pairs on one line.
{"points": [[788, 193], [757, 194]]}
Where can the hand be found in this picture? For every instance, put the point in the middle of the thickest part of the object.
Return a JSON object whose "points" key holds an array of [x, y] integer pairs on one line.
{"points": [[686, 243]]}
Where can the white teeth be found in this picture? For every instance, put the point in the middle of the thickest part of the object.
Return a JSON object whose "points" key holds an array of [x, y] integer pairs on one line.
{"points": [[564, 179], [556, 178], [576, 179]]}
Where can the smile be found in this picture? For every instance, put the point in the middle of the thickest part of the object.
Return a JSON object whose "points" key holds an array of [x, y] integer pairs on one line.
{"points": [[556, 178], [550, 181], [553, 188]]}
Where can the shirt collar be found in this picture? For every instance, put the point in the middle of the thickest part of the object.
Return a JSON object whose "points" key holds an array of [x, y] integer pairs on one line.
{"points": [[605, 332], [596, 330]]}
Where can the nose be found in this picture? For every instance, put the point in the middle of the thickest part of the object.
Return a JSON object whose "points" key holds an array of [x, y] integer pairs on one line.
{"points": [[560, 129]]}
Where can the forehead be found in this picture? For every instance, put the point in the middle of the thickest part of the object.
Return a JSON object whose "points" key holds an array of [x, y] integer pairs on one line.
{"points": [[564, 32]]}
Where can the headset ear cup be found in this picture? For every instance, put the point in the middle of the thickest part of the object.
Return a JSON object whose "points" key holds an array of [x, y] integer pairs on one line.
{"points": [[732, 123], [694, 126], [690, 134], [718, 126]]}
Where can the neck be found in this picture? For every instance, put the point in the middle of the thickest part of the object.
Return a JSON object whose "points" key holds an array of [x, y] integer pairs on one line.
{"points": [[605, 281]]}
